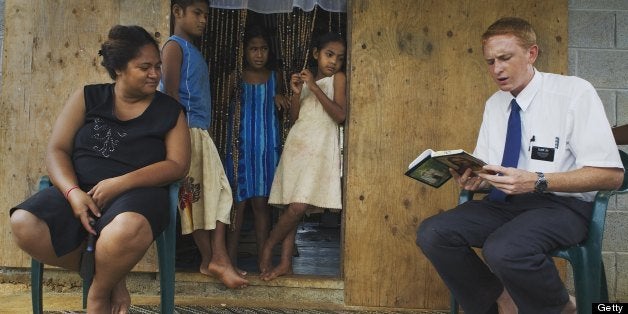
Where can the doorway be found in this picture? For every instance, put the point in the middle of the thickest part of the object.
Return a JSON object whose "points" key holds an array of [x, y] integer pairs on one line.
{"points": [[318, 246]]}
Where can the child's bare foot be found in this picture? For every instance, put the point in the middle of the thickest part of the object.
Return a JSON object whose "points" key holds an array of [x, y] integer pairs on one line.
{"points": [[240, 272], [281, 270], [570, 307], [505, 304], [204, 269], [120, 298], [265, 260], [227, 275]]}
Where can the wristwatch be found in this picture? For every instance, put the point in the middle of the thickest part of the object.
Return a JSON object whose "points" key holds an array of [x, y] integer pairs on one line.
{"points": [[541, 183]]}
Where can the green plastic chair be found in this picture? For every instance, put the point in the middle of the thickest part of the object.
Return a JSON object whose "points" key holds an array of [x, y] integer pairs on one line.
{"points": [[586, 257], [166, 243]]}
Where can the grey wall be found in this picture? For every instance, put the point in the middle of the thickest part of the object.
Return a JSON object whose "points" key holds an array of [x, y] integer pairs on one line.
{"points": [[598, 52]]}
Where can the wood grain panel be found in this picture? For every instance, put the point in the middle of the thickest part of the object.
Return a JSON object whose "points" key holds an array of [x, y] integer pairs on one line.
{"points": [[417, 81]]}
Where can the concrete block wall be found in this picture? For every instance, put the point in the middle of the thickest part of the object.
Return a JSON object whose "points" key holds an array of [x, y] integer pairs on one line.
{"points": [[598, 52]]}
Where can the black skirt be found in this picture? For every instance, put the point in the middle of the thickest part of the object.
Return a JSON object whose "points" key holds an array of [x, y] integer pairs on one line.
{"points": [[67, 232]]}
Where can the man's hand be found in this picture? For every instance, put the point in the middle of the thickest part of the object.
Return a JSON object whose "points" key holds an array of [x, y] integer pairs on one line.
{"points": [[510, 180], [468, 180]]}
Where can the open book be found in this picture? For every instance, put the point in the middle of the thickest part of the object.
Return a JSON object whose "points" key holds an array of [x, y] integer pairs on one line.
{"points": [[432, 167]]}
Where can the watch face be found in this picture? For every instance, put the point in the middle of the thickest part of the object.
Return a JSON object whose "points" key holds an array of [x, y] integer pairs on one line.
{"points": [[541, 183]]}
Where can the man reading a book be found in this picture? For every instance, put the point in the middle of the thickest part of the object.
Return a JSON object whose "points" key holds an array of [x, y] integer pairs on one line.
{"points": [[547, 138]]}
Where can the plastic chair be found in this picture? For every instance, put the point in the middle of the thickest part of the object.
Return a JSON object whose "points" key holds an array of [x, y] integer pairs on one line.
{"points": [[166, 242], [586, 257]]}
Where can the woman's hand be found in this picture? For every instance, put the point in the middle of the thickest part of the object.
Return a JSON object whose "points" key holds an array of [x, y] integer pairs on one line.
{"points": [[82, 204], [105, 191]]}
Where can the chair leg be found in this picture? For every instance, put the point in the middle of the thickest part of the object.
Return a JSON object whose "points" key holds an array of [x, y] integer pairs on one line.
{"points": [[453, 306], [166, 243], [603, 286], [165, 252], [37, 274], [587, 283]]}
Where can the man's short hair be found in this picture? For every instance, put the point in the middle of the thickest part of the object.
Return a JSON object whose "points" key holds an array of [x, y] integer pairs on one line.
{"points": [[518, 27]]}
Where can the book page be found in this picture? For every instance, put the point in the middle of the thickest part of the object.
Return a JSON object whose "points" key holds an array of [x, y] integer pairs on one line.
{"points": [[425, 154]]}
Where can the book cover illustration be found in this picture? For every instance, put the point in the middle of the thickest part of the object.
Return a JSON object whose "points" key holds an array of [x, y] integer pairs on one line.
{"points": [[432, 167], [428, 170]]}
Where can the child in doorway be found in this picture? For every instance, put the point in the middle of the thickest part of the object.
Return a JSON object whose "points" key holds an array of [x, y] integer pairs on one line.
{"points": [[308, 176], [205, 197], [258, 138]]}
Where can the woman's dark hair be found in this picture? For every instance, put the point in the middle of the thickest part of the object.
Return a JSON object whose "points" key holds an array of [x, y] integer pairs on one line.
{"points": [[122, 45], [256, 31]]}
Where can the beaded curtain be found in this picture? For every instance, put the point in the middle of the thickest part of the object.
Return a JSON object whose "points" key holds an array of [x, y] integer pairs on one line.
{"points": [[222, 46]]}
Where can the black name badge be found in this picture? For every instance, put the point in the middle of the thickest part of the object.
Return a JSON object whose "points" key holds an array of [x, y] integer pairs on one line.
{"points": [[542, 153], [609, 308]]}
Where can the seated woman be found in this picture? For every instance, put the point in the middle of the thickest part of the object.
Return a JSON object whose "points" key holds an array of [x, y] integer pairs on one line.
{"points": [[113, 150]]}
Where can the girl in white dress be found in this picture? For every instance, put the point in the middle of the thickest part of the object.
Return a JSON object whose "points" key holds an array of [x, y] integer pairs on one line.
{"points": [[307, 178]]}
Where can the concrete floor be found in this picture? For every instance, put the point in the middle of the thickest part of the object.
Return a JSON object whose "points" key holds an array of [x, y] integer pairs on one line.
{"points": [[316, 283], [317, 243]]}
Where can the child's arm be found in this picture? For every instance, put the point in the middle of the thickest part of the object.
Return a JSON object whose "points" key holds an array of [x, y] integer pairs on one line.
{"points": [[336, 107], [171, 58], [296, 84], [282, 102]]}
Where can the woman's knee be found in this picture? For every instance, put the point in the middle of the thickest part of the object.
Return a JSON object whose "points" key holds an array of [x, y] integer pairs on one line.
{"points": [[24, 227], [130, 228]]}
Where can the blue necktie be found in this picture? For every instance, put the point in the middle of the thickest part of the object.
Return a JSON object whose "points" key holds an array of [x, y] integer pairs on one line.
{"points": [[511, 147]]}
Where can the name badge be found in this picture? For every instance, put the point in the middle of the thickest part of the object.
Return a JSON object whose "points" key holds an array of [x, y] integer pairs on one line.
{"points": [[542, 153]]}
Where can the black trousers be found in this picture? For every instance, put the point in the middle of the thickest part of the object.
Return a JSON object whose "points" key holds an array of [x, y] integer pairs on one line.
{"points": [[516, 237]]}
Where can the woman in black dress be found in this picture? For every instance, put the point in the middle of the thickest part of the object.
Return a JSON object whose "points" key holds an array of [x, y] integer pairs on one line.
{"points": [[113, 151]]}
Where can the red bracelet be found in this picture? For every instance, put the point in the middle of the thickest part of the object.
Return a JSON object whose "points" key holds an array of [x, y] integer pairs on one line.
{"points": [[70, 190]]}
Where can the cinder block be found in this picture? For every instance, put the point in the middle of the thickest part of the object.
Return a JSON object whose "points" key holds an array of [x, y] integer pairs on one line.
{"points": [[615, 235], [591, 29], [606, 69], [599, 4], [572, 61], [622, 277], [622, 201], [622, 107], [622, 29], [609, 99]]}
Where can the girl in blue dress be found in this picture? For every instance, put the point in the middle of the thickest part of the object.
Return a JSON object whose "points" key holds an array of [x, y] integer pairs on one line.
{"points": [[252, 158]]}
